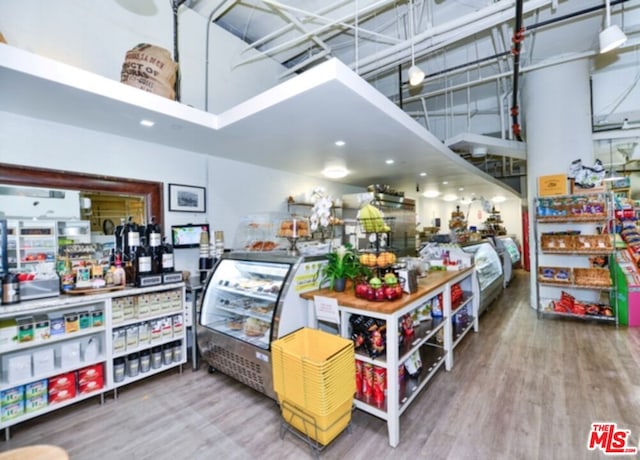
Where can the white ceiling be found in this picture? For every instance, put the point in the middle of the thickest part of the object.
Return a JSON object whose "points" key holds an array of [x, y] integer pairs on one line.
{"points": [[293, 126]]}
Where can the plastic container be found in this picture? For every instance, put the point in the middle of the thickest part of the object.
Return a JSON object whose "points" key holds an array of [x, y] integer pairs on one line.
{"points": [[145, 360], [177, 351], [167, 353], [133, 364], [118, 369], [156, 357]]}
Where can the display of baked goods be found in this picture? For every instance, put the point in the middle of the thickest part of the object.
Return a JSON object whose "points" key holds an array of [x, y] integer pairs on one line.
{"points": [[263, 309], [261, 246], [555, 274], [235, 323], [253, 327], [294, 228]]}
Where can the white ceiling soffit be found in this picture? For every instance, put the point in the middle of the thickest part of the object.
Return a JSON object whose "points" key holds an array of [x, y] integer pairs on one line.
{"points": [[291, 127], [467, 142]]}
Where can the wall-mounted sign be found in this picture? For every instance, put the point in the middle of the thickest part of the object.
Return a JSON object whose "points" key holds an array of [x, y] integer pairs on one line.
{"points": [[552, 185]]}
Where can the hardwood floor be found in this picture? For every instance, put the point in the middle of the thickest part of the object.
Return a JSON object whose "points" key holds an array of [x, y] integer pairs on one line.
{"points": [[521, 388]]}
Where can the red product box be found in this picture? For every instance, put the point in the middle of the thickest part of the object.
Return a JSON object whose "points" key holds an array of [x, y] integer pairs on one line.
{"points": [[90, 373], [91, 385], [62, 387]]}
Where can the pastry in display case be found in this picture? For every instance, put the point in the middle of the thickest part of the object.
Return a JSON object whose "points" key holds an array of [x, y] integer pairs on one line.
{"points": [[249, 300]]}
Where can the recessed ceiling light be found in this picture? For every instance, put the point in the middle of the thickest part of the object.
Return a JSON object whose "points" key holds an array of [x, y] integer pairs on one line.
{"points": [[431, 194], [389, 162], [335, 172], [450, 197], [461, 189], [340, 143], [422, 174], [466, 201], [444, 182], [498, 199], [147, 123]]}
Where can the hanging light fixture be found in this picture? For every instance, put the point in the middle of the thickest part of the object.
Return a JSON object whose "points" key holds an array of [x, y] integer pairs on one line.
{"points": [[611, 37], [416, 75]]}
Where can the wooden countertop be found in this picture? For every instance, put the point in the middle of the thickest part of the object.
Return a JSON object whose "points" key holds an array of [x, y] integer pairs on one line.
{"points": [[425, 285]]}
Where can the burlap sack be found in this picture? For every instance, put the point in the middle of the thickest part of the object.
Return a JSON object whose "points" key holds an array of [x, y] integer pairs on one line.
{"points": [[150, 68], [2, 40]]}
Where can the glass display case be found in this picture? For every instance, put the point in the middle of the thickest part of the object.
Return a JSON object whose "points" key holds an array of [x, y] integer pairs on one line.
{"points": [[488, 269], [512, 249], [249, 300]]}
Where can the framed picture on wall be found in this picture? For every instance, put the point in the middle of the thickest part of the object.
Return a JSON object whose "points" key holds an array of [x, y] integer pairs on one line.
{"points": [[187, 198]]}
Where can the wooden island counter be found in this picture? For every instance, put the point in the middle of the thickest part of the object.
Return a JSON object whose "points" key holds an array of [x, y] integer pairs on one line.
{"points": [[433, 340]]}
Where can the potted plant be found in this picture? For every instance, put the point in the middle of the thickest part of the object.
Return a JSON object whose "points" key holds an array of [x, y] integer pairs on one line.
{"points": [[342, 264]]}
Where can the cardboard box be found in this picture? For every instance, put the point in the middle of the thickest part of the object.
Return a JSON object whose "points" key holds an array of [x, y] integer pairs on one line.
{"points": [[25, 329], [555, 184], [62, 381], [11, 396], [84, 320], [97, 318], [71, 323], [43, 361], [8, 333], [117, 311], [56, 325], [91, 385], [89, 373], [41, 326], [16, 367], [167, 327], [36, 403], [12, 411], [69, 354], [35, 389], [62, 394]]}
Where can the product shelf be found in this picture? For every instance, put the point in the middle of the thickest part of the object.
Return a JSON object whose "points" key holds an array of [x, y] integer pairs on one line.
{"points": [[161, 314], [460, 329], [52, 339], [52, 407], [143, 375], [251, 294], [433, 358], [423, 333], [600, 318], [57, 371], [148, 345], [575, 286], [467, 297]]}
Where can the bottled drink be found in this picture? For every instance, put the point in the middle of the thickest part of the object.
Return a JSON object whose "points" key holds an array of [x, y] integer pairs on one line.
{"points": [[119, 276], [131, 252], [143, 258], [154, 240], [167, 257]]}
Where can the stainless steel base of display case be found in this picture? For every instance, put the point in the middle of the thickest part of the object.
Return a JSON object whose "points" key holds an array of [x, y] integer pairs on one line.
{"points": [[243, 362]]}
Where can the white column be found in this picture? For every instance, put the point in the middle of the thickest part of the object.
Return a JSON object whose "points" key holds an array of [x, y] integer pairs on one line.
{"points": [[557, 110]]}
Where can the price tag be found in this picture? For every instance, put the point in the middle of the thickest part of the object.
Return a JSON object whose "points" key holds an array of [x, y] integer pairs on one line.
{"points": [[327, 309]]}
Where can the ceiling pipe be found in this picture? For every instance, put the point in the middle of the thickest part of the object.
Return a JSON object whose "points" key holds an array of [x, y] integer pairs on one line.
{"points": [[518, 37]]}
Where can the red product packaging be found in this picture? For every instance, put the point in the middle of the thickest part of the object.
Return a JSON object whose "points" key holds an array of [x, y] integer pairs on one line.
{"points": [[91, 385], [90, 373], [367, 381], [62, 387], [358, 378], [379, 384]]}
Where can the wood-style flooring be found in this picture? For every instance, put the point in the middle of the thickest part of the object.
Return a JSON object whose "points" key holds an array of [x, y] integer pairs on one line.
{"points": [[521, 388]]}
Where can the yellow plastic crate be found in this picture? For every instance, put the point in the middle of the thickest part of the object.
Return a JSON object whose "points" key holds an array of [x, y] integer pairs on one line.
{"points": [[313, 369], [321, 428]]}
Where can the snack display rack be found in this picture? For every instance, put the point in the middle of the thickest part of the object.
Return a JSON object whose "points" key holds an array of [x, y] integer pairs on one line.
{"points": [[574, 257]]}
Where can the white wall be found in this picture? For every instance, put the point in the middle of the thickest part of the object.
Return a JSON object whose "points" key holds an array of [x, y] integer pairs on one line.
{"points": [[37, 203], [234, 189], [430, 208], [95, 36]]}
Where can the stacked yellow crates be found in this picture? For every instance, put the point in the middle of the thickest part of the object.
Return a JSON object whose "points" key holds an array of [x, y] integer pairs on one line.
{"points": [[314, 377]]}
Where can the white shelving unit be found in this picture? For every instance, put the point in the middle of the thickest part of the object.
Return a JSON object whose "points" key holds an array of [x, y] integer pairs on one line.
{"points": [[435, 339], [572, 226], [159, 303]]}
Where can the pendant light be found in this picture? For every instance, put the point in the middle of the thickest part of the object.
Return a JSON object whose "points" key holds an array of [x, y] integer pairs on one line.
{"points": [[611, 37], [416, 75]]}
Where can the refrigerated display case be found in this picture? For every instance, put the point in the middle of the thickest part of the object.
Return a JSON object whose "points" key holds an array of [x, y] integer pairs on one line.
{"points": [[488, 270], [509, 254], [249, 300]]}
